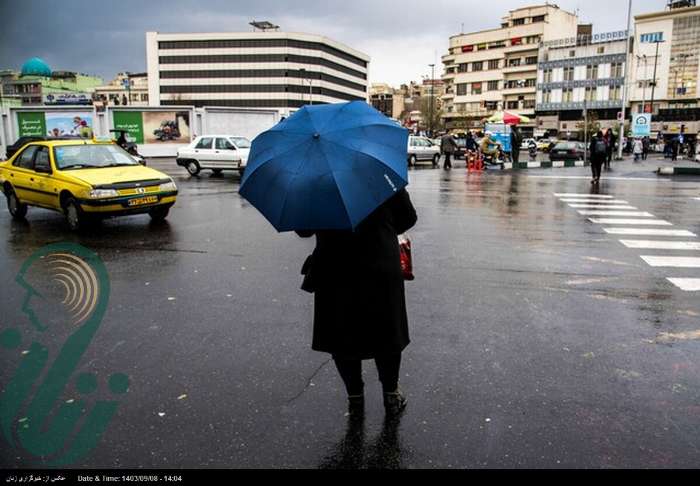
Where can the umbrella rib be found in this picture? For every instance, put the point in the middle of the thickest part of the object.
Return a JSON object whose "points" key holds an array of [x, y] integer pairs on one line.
{"points": [[368, 155]]}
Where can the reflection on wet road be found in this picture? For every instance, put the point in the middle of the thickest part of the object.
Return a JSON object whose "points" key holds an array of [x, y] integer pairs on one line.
{"points": [[552, 326]]}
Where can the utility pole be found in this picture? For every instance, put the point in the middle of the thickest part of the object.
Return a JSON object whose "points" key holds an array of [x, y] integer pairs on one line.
{"points": [[645, 82], [585, 129], [432, 95], [653, 82], [626, 80]]}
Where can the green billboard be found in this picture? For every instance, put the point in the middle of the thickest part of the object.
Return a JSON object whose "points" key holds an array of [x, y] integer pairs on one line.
{"points": [[31, 123], [131, 121]]}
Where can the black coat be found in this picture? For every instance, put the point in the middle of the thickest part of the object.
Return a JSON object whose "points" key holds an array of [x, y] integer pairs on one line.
{"points": [[360, 306]]}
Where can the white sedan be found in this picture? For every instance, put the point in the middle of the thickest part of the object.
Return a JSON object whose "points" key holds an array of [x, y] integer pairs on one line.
{"points": [[216, 153]]}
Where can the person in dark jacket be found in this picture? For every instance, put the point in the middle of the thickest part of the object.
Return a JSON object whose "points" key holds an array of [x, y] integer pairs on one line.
{"points": [[610, 140], [516, 139], [598, 151], [359, 304], [448, 146]]}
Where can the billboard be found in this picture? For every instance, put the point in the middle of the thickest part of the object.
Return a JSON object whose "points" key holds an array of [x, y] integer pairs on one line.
{"points": [[69, 124], [641, 125], [131, 121], [67, 99], [31, 123], [166, 127]]}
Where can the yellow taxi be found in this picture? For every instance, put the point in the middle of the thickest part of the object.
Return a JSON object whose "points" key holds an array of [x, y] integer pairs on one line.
{"points": [[84, 180]]}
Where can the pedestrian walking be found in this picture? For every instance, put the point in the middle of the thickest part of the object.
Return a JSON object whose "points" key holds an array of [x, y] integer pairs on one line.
{"points": [[448, 146], [598, 151], [646, 147], [610, 140], [356, 206], [637, 149], [515, 140], [359, 304], [675, 146]]}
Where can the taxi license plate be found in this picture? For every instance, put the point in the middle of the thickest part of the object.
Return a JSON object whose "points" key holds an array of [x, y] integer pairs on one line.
{"points": [[143, 200]]}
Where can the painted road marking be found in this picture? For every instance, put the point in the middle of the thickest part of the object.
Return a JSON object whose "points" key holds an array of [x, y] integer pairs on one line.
{"points": [[641, 222], [687, 284], [596, 206], [633, 214], [647, 232], [594, 196], [661, 245], [672, 261], [601, 202]]}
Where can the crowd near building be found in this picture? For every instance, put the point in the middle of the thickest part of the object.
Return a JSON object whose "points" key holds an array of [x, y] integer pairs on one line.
{"points": [[260, 69]]}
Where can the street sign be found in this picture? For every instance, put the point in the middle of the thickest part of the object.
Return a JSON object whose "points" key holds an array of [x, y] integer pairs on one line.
{"points": [[641, 125]]}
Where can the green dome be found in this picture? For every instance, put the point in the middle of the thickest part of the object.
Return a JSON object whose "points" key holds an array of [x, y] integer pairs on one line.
{"points": [[36, 67]]}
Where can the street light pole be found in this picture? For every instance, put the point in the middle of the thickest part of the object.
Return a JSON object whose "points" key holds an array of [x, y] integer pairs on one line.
{"points": [[653, 81], [432, 95], [626, 80]]}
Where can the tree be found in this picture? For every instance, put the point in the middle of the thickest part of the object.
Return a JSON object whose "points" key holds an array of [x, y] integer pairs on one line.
{"points": [[423, 104], [593, 125]]}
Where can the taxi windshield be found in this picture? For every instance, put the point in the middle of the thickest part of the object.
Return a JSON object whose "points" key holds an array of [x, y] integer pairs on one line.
{"points": [[84, 156]]}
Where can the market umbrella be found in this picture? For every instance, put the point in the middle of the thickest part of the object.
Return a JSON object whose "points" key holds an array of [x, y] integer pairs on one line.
{"points": [[508, 118], [326, 167]]}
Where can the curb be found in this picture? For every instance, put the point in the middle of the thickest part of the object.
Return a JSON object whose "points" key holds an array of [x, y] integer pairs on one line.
{"points": [[557, 164], [678, 171]]}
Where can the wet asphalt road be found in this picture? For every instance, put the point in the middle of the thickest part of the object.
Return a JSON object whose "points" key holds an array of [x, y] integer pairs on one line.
{"points": [[539, 340]]}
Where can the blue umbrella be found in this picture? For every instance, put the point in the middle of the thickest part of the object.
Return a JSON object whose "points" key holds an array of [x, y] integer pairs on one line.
{"points": [[326, 167]]}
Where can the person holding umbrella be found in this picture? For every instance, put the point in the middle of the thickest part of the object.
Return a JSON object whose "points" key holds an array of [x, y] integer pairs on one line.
{"points": [[338, 172]]}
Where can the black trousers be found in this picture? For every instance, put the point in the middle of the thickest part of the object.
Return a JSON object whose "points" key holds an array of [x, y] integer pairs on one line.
{"points": [[448, 161], [351, 372], [596, 166], [516, 156]]}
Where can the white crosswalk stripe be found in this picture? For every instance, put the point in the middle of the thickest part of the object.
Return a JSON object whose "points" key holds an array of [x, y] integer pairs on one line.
{"points": [[602, 202], [648, 232], [687, 284], [592, 196], [596, 206], [661, 245], [631, 214], [697, 198], [672, 261], [631, 222]]}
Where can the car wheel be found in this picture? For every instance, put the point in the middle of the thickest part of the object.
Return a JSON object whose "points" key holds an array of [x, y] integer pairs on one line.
{"points": [[192, 167], [74, 215], [412, 160], [159, 214], [17, 209], [436, 160]]}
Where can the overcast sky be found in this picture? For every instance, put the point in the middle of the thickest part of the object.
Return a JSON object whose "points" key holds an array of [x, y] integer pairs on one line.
{"points": [[402, 37]]}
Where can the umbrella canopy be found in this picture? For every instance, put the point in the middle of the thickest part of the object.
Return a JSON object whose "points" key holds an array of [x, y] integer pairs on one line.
{"points": [[326, 167], [508, 118]]}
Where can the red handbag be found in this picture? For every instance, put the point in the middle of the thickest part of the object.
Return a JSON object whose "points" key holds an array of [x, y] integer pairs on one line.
{"points": [[406, 258]]}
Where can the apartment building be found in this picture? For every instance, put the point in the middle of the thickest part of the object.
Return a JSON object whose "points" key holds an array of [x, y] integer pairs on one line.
{"points": [[666, 42], [268, 69], [386, 99], [496, 69], [584, 72]]}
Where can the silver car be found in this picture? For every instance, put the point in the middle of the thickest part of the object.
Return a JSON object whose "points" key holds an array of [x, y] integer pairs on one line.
{"points": [[422, 149]]}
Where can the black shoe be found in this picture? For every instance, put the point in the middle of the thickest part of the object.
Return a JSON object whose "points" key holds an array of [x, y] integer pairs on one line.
{"points": [[394, 403], [356, 406]]}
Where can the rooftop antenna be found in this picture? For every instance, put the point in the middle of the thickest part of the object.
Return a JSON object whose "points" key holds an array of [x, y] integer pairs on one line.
{"points": [[263, 25]]}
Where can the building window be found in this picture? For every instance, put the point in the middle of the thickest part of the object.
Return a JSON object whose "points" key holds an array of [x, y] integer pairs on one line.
{"points": [[492, 86], [531, 60], [547, 76], [529, 104], [537, 18], [592, 72], [478, 66], [519, 21], [572, 53], [653, 37], [513, 105], [530, 83], [491, 105], [514, 62], [494, 64], [463, 68], [547, 96], [567, 95], [591, 94], [476, 88], [601, 50], [615, 93], [569, 74], [616, 70], [462, 89]]}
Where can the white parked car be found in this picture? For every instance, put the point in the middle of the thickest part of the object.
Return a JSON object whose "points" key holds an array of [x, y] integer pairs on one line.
{"points": [[422, 148], [216, 153]]}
